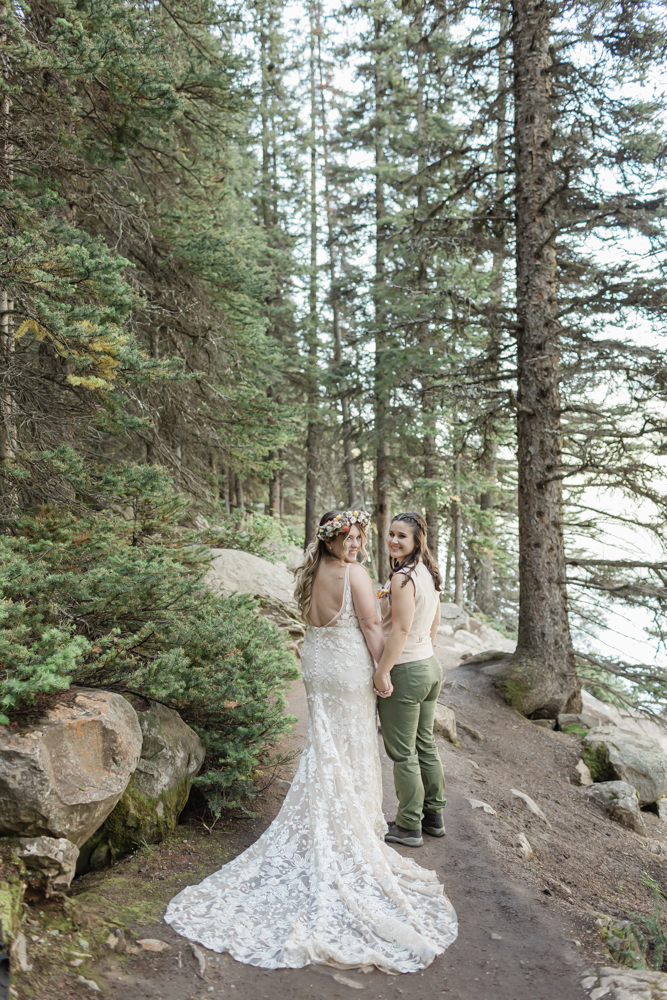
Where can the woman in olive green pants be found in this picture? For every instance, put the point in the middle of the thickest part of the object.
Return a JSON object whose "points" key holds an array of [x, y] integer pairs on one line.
{"points": [[407, 682]]}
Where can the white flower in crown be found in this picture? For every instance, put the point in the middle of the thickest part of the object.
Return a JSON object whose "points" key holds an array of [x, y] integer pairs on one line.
{"points": [[340, 524]]}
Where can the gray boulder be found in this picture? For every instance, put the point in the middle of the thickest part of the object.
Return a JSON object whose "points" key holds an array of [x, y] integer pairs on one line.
{"points": [[587, 720], [638, 760], [485, 656], [63, 777], [170, 751], [157, 793], [454, 616], [234, 571], [445, 723], [50, 863], [620, 802], [491, 638]]}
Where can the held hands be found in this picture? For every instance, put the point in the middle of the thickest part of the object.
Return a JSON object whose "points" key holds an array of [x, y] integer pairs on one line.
{"points": [[382, 684]]}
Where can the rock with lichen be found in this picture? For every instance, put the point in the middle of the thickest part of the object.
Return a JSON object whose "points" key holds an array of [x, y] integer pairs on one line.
{"points": [[157, 793]]}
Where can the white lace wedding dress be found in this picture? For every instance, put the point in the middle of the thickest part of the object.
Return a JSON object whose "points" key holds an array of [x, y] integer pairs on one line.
{"points": [[320, 885]]}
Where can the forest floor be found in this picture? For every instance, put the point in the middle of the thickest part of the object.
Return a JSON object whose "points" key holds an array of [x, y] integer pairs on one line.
{"points": [[527, 927]]}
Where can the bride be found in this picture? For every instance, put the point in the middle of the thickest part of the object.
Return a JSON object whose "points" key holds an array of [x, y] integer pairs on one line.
{"points": [[320, 885]]}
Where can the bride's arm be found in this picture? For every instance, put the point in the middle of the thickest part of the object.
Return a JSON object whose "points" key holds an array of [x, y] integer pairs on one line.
{"points": [[366, 611], [402, 613]]}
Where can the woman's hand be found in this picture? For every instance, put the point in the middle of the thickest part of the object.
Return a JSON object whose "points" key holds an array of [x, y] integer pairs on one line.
{"points": [[382, 684]]}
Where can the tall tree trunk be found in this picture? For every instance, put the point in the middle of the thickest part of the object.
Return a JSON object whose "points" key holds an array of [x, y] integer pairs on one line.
{"points": [[348, 457], [8, 344], [484, 588], [313, 429], [448, 565], [240, 499], [227, 487], [431, 465], [380, 387], [281, 485], [7, 429], [457, 535], [268, 198], [274, 490], [152, 440], [431, 471], [542, 680], [215, 482]]}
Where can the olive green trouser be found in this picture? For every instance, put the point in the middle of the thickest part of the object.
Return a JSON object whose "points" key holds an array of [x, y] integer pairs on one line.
{"points": [[407, 730]]}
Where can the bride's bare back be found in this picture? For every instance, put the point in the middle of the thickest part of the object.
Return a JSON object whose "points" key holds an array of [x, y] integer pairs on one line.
{"points": [[328, 588]]}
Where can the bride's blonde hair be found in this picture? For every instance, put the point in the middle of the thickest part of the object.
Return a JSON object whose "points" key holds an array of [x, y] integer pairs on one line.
{"points": [[305, 574]]}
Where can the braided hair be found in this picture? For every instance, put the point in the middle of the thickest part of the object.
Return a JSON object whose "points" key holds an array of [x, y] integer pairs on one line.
{"points": [[421, 553]]}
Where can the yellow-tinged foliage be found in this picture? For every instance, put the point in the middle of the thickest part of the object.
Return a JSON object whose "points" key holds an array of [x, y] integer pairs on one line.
{"points": [[89, 381], [31, 326], [105, 349]]}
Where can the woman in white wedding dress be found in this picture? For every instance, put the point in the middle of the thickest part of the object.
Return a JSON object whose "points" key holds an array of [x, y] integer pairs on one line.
{"points": [[320, 885]]}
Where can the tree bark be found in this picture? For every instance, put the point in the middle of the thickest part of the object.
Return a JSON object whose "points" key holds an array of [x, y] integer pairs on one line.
{"points": [[274, 492], [240, 499], [313, 429], [8, 344], [215, 482], [227, 487], [7, 428], [541, 681], [431, 469], [281, 485], [448, 565], [485, 575], [348, 457], [380, 386], [457, 537]]}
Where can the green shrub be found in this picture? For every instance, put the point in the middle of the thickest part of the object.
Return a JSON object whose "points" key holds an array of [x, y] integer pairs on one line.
{"points": [[649, 933], [259, 534], [106, 593]]}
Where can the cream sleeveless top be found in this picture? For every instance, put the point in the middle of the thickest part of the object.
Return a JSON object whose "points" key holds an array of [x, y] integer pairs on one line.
{"points": [[418, 645]]}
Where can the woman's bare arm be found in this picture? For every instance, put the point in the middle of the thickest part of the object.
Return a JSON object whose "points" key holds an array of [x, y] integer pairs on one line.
{"points": [[436, 621], [402, 614], [366, 611]]}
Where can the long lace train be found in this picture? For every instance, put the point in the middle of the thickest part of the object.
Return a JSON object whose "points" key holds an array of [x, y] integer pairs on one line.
{"points": [[320, 885]]}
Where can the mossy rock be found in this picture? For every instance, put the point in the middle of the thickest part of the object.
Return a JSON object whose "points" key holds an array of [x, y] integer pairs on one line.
{"points": [[514, 691], [135, 821], [596, 760], [12, 887], [575, 729]]}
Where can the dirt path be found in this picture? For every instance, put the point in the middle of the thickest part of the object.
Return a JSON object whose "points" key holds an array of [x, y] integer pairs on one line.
{"points": [[527, 927], [514, 944]]}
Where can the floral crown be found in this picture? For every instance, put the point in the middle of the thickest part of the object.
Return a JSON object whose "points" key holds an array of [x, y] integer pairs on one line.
{"points": [[340, 524]]}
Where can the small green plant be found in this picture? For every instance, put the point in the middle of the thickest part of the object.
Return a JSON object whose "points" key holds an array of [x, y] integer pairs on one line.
{"points": [[595, 759], [575, 729], [649, 931], [258, 534]]}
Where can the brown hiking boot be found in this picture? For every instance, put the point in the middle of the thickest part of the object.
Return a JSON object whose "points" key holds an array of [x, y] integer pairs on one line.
{"points": [[433, 824], [409, 838]]}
